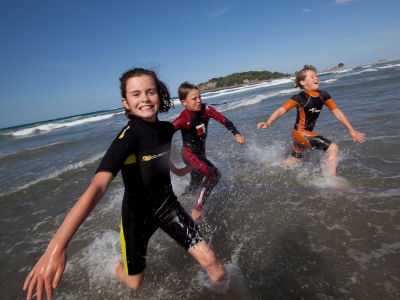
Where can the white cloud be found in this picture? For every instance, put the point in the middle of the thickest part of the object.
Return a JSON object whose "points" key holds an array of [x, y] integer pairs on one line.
{"points": [[220, 12], [306, 10], [342, 2]]}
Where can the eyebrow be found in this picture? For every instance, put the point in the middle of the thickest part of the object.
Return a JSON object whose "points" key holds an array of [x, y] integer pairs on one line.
{"points": [[135, 91]]}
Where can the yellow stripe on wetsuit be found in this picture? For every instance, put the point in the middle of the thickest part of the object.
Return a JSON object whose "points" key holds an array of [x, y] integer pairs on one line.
{"points": [[131, 159], [123, 247]]}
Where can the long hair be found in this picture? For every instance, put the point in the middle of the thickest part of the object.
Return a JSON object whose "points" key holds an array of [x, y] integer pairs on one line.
{"points": [[165, 98]]}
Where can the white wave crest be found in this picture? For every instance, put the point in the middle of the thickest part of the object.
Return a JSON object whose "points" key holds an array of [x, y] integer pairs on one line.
{"points": [[364, 71], [343, 70], [330, 80], [245, 88], [57, 173], [2, 155], [177, 101], [56, 125], [253, 100], [389, 66]]}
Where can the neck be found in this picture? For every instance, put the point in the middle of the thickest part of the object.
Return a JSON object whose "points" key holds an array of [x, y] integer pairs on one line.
{"points": [[312, 93]]}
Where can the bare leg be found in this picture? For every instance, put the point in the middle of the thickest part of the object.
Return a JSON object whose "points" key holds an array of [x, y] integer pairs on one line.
{"points": [[196, 214], [203, 253], [331, 155], [133, 281], [291, 160]]}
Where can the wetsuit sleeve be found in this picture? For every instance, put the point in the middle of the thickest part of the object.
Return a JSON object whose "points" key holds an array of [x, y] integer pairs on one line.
{"points": [[331, 104], [221, 119], [288, 105], [118, 152], [177, 122]]}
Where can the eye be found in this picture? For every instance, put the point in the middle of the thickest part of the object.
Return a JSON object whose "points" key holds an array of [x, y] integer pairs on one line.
{"points": [[152, 92]]}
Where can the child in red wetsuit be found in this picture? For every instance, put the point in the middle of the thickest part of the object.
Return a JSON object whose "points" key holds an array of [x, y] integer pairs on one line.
{"points": [[193, 123], [309, 103]]}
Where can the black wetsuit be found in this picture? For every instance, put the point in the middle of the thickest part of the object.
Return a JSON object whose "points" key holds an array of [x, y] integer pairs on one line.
{"points": [[194, 127], [142, 152], [309, 105]]}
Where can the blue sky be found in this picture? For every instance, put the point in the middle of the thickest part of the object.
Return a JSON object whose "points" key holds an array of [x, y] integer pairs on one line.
{"points": [[60, 58]]}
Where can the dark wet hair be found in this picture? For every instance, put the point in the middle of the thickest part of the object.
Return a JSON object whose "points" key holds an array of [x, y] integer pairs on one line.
{"points": [[185, 88], [165, 98], [301, 75]]}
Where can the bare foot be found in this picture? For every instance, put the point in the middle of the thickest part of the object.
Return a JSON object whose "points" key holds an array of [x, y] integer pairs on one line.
{"points": [[119, 271], [196, 215], [132, 281], [291, 161]]}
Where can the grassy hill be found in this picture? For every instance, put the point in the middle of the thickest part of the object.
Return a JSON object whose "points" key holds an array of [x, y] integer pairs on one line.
{"points": [[249, 77]]}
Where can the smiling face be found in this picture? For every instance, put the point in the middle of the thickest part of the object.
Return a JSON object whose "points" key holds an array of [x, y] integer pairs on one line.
{"points": [[193, 100], [310, 82], [142, 98]]}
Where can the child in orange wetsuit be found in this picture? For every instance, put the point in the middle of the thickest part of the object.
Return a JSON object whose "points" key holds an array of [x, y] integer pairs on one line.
{"points": [[309, 103]]}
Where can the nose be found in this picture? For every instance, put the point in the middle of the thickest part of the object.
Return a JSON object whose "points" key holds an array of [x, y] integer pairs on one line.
{"points": [[145, 98]]}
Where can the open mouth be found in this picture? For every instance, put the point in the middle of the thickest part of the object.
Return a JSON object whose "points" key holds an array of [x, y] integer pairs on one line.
{"points": [[147, 107]]}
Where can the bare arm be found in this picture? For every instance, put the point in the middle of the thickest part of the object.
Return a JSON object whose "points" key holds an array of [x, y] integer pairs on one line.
{"points": [[180, 172], [48, 270], [274, 116], [355, 135]]}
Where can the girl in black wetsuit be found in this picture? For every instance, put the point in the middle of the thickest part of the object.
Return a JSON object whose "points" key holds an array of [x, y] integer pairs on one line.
{"points": [[142, 152], [309, 103]]}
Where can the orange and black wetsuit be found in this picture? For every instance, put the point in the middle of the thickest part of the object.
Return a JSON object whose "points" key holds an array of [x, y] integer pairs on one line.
{"points": [[193, 126], [309, 104]]}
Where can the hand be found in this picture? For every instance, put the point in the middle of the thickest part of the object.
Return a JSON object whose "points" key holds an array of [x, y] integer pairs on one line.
{"points": [[185, 170], [357, 136], [262, 125], [46, 274], [240, 139]]}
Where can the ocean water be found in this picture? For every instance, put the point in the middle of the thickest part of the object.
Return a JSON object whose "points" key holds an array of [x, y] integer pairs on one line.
{"points": [[282, 232]]}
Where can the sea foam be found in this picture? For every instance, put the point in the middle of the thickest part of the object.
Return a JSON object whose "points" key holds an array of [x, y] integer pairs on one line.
{"points": [[58, 125]]}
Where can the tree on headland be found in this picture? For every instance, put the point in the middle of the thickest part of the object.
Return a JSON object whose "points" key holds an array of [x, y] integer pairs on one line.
{"points": [[340, 65], [249, 77]]}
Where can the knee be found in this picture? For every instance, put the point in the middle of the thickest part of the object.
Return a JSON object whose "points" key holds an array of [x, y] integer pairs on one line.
{"points": [[333, 149], [209, 260], [213, 267], [213, 176], [217, 175]]}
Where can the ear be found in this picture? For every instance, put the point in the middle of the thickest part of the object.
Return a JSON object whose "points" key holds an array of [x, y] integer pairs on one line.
{"points": [[303, 83], [125, 103], [183, 102]]}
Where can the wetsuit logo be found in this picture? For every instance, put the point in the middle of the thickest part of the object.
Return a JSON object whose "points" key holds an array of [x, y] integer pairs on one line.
{"points": [[123, 132], [314, 110], [150, 157], [201, 129]]}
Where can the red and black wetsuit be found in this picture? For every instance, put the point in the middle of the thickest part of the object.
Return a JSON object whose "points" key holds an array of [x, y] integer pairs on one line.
{"points": [[193, 126], [309, 104]]}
